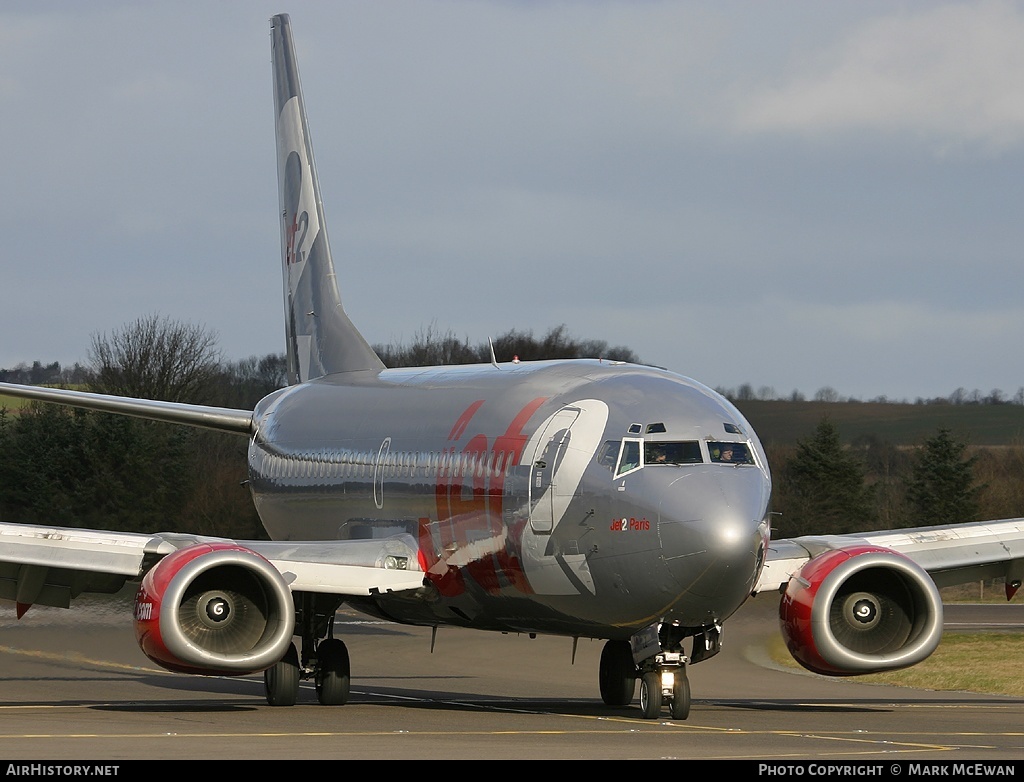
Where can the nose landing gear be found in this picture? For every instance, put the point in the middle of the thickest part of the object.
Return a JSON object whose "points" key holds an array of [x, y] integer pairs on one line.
{"points": [[655, 656], [664, 682]]}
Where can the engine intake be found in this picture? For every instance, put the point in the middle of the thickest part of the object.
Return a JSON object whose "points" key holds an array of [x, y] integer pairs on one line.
{"points": [[860, 610], [214, 608]]}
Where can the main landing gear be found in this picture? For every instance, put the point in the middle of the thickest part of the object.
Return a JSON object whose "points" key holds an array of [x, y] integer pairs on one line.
{"points": [[324, 660]]}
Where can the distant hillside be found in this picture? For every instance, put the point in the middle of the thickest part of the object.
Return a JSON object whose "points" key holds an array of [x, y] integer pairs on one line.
{"points": [[783, 423]]}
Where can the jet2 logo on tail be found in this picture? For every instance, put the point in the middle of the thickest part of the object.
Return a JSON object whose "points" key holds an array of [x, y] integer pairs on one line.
{"points": [[300, 223]]}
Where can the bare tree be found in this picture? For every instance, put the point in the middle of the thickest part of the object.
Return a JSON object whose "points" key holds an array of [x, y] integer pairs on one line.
{"points": [[430, 348], [826, 394], [155, 357]]}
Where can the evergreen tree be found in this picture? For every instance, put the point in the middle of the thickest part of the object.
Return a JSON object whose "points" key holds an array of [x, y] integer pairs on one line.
{"points": [[823, 487], [941, 489], [75, 468]]}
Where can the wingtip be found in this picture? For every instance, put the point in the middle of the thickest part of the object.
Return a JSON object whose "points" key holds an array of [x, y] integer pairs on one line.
{"points": [[21, 608]]}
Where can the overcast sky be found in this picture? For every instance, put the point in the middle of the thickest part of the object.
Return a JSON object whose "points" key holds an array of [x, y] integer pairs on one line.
{"points": [[788, 194]]}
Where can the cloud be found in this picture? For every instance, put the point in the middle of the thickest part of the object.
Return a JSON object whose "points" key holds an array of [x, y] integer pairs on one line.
{"points": [[950, 74]]}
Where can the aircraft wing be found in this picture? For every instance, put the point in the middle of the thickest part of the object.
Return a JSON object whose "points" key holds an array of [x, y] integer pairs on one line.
{"points": [[53, 565], [221, 419], [951, 554]]}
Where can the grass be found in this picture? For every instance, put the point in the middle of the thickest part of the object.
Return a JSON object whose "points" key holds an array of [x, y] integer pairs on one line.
{"points": [[13, 403], [993, 591], [965, 662], [985, 662]]}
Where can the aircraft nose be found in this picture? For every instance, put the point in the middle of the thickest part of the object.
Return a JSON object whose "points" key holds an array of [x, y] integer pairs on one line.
{"points": [[713, 533]]}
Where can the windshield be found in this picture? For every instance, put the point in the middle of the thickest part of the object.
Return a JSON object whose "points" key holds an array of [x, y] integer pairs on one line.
{"points": [[624, 456], [686, 452]]}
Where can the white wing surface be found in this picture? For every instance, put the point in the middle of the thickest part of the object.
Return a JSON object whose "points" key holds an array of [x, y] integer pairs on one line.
{"points": [[53, 565], [951, 554]]}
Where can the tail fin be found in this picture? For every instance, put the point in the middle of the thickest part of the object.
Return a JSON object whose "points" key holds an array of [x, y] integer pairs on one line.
{"points": [[321, 338]]}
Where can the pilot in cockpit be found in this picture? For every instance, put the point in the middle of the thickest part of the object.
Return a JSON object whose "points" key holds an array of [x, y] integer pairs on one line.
{"points": [[730, 453]]}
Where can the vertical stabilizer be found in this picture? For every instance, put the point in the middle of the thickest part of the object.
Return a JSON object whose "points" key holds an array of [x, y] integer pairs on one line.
{"points": [[321, 338]]}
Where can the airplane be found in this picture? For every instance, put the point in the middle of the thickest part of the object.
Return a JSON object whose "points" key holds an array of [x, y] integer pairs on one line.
{"points": [[583, 498]]}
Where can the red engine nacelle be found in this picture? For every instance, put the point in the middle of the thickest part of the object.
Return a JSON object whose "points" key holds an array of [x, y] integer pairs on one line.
{"points": [[214, 608], [860, 610]]}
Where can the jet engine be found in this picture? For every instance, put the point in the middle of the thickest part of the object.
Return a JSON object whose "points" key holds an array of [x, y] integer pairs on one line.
{"points": [[214, 608], [860, 610]]}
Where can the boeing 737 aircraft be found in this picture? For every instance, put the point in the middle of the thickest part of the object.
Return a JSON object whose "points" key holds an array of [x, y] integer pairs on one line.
{"points": [[585, 499]]}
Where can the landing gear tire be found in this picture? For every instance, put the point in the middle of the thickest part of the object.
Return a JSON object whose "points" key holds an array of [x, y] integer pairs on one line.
{"points": [[680, 706], [333, 675], [617, 674], [650, 695], [281, 680]]}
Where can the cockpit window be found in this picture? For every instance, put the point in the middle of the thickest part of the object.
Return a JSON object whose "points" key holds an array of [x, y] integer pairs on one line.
{"points": [[730, 453], [624, 456], [629, 457], [686, 452], [608, 453]]}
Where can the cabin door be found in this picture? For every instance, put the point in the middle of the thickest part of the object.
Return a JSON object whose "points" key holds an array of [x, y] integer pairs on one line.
{"points": [[546, 501]]}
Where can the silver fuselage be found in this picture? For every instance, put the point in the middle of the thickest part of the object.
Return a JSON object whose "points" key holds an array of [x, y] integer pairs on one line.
{"points": [[512, 481]]}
